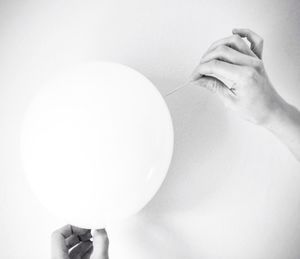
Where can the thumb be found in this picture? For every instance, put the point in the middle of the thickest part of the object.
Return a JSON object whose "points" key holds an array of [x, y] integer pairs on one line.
{"points": [[100, 244], [212, 84], [219, 88]]}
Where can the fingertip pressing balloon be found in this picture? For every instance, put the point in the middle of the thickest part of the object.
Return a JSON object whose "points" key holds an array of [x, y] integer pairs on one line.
{"points": [[96, 143]]}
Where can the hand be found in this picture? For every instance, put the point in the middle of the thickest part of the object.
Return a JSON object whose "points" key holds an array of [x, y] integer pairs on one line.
{"points": [[237, 75], [71, 242]]}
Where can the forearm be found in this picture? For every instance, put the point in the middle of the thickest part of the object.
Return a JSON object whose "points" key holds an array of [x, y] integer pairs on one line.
{"points": [[285, 124]]}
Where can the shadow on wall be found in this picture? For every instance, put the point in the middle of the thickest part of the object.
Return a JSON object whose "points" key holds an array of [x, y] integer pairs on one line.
{"points": [[159, 237], [199, 162]]}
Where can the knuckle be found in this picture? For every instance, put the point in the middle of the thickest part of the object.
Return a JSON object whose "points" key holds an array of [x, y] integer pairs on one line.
{"points": [[235, 38], [221, 50], [55, 235], [218, 48], [214, 62], [69, 226]]}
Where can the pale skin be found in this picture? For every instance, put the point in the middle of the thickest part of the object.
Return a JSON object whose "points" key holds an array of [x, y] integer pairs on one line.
{"points": [[70, 242], [235, 73]]}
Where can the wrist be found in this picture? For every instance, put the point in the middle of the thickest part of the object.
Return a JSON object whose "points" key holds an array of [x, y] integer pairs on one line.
{"points": [[284, 123], [278, 112], [282, 113]]}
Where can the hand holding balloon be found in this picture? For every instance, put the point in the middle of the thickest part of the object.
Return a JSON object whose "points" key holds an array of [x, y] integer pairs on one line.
{"points": [[70, 242]]}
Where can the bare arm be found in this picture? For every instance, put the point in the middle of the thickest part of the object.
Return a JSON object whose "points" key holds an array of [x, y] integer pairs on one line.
{"points": [[237, 75], [285, 124]]}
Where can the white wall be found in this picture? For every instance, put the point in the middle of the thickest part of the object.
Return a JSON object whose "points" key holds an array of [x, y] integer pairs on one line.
{"points": [[232, 190]]}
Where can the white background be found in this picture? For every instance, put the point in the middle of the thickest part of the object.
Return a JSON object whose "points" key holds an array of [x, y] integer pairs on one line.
{"points": [[233, 190]]}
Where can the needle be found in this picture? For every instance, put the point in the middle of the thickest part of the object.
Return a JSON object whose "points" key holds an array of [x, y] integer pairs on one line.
{"points": [[178, 88]]}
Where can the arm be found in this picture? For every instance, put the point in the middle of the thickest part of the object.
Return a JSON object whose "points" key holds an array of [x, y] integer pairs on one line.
{"points": [[285, 124], [237, 75]]}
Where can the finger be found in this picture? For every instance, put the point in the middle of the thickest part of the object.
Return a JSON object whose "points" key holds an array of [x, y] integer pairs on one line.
{"points": [[75, 239], [234, 42], [58, 245], [88, 254], [225, 53], [100, 244], [69, 230], [66, 237], [210, 83], [80, 249], [255, 40], [225, 72], [72, 241], [227, 96], [65, 231], [215, 86], [80, 231]]}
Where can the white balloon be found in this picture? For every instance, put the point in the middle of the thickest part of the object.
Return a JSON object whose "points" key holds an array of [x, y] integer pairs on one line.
{"points": [[96, 143]]}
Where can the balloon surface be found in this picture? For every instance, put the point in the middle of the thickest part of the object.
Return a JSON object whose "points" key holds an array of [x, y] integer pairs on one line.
{"points": [[96, 143]]}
